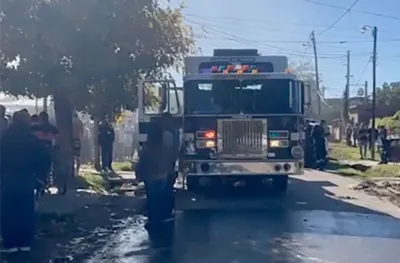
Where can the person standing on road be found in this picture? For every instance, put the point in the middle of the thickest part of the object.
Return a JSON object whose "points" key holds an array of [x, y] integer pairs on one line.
{"points": [[385, 150], [152, 168], [106, 138], [355, 132], [77, 126], [23, 157], [319, 133], [363, 141], [349, 131], [171, 142]]}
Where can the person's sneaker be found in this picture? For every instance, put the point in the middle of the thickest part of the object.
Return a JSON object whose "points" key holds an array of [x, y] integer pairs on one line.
{"points": [[25, 249], [9, 250]]}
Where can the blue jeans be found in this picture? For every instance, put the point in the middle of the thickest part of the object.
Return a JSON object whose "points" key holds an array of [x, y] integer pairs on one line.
{"points": [[158, 205]]}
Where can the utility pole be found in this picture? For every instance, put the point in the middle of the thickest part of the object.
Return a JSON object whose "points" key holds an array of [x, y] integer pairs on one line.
{"points": [[347, 92], [316, 72], [366, 93], [375, 36]]}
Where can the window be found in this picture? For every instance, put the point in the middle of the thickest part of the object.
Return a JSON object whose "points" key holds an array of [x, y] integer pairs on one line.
{"points": [[158, 98]]}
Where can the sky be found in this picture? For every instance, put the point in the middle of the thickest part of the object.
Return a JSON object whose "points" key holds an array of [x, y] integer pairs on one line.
{"points": [[283, 28]]}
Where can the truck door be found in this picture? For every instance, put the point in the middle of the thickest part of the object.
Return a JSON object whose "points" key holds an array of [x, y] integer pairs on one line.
{"points": [[156, 97]]}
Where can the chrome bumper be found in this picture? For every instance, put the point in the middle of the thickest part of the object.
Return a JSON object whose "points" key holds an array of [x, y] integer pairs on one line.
{"points": [[243, 168]]}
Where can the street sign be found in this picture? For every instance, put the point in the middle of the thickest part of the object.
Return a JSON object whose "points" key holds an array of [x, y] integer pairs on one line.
{"points": [[360, 92]]}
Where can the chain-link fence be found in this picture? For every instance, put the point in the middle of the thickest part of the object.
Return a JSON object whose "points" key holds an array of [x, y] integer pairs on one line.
{"points": [[124, 144]]}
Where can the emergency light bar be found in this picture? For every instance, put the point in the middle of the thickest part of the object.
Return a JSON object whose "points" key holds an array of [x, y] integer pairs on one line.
{"points": [[237, 69], [234, 69]]}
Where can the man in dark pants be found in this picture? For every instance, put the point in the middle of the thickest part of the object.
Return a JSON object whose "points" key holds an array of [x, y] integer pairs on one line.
{"points": [[106, 137], [152, 168], [382, 135], [171, 142], [22, 157], [318, 135]]}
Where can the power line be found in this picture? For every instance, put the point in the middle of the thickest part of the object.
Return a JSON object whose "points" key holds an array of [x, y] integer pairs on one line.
{"points": [[226, 36], [339, 19], [263, 28], [236, 19], [319, 42], [346, 41], [354, 10], [362, 74], [247, 41]]}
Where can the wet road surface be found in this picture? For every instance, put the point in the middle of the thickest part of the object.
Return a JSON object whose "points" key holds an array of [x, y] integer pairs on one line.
{"points": [[319, 220]]}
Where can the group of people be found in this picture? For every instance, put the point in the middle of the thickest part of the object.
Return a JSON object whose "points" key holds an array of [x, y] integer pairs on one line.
{"points": [[156, 168], [362, 136], [25, 158], [316, 150]]}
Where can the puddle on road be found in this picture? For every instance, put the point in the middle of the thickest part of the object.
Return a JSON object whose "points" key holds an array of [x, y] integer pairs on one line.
{"points": [[131, 244]]}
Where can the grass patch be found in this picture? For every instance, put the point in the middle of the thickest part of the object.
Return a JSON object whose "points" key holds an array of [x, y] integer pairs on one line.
{"points": [[93, 181], [124, 166], [341, 151]]}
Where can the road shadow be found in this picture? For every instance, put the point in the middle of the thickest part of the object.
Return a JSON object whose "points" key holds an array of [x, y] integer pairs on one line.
{"points": [[301, 195]]}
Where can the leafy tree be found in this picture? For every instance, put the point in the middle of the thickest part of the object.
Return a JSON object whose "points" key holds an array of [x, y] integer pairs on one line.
{"points": [[88, 54], [389, 94]]}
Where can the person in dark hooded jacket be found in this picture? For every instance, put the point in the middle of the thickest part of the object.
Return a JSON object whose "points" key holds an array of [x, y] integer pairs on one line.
{"points": [[106, 138], [22, 157], [153, 168], [171, 142]]}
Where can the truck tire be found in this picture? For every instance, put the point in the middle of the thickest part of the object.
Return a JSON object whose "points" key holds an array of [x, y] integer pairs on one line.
{"points": [[280, 183]]}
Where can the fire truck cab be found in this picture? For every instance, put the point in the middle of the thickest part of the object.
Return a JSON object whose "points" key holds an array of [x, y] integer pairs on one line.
{"points": [[240, 116]]}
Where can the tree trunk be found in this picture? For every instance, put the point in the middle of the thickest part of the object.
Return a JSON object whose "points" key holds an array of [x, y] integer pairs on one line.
{"points": [[96, 143], [63, 111]]}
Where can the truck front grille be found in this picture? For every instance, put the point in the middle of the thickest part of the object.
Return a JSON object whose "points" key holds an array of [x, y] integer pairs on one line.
{"points": [[242, 138]]}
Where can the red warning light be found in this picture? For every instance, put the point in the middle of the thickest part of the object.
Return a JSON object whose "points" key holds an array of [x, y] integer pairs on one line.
{"points": [[231, 68]]}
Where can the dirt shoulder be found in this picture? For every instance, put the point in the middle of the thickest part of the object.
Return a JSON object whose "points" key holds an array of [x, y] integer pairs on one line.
{"points": [[381, 180], [388, 190]]}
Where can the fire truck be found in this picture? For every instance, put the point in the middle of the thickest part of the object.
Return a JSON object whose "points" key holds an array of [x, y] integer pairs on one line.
{"points": [[240, 114]]}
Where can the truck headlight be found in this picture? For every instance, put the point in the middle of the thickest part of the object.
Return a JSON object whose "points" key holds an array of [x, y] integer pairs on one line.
{"points": [[278, 143], [202, 144]]}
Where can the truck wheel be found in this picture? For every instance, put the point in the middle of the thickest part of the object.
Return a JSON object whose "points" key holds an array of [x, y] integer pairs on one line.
{"points": [[280, 183], [192, 182]]}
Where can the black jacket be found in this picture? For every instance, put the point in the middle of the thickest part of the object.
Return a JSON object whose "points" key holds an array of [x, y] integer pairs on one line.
{"points": [[21, 152], [106, 134]]}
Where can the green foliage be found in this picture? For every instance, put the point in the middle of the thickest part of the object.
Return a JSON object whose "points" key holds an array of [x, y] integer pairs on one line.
{"points": [[93, 51], [389, 94], [388, 122]]}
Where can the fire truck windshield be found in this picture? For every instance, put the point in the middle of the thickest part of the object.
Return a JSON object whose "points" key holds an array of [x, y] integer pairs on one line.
{"points": [[269, 96], [212, 97], [265, 96]]}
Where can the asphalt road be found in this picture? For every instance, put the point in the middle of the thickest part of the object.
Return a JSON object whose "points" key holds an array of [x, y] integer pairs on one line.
{"points": [[320, 220]]}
